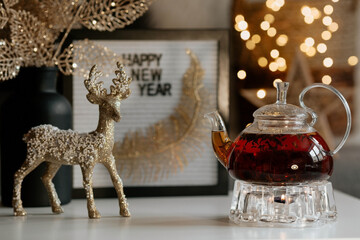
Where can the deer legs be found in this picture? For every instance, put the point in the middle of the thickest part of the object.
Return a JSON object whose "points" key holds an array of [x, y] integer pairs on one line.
{"points": [[87, 182], [110, 165], [29, 165], [19, 176], [50, 172], [25, 169]]}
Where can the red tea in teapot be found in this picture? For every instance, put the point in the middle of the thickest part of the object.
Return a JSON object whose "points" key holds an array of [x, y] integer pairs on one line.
{"points": [[280, 158]]}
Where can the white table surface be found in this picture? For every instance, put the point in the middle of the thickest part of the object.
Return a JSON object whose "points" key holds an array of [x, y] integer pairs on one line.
{"points": [[166, 218]]}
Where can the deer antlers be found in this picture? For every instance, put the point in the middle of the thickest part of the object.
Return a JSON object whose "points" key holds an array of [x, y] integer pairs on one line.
{"points": [[120, 89], [122, 81]]}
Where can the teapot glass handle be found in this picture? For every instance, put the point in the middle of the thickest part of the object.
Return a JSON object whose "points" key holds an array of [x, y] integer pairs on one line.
{"points": [[314, 117]]}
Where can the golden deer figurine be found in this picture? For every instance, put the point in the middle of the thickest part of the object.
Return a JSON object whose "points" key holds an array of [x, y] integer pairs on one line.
{"points": [[56, 147]]}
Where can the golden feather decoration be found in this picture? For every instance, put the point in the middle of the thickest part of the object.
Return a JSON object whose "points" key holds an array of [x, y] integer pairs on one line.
{"points": [[33, 27], [166, 147]]}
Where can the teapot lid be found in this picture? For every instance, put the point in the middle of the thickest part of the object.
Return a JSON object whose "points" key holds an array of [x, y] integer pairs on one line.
{"points": [[280, 110]]}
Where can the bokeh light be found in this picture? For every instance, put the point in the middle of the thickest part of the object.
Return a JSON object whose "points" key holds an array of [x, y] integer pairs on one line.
{"points": [[269, 18], [245, 35], [265, 25], [311, 52], [282, 40], [353, 60], [243, 25], [327, 21], [333, 27], [326, 79], [326, 35], [256, 38], [309, 42], [271, 32], [273, 66], [241, 74], [239, 18], [305, 10], [321, 47], [250, 44], [328, 62], [315, 13], [261, 93], [281, 62], [328, 9], [304, 48], [274, 53], [262, 61]]}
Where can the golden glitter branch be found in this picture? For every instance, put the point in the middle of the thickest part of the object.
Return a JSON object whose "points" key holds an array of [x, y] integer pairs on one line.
{"points": [[168, 145], [108, 15], [78, 58], [29, 29]]}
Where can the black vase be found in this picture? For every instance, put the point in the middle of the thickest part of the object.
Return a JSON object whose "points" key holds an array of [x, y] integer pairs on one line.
{"points": [[35, 102]]}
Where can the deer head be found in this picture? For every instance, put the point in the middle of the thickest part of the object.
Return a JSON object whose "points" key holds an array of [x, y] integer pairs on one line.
{"points": [[98, 94]]}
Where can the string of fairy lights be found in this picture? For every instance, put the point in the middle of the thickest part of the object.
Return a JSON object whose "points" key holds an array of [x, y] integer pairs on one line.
{"points": [[274, 61]]}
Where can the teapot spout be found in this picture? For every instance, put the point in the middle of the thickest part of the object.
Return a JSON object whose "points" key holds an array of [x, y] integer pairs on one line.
{"points": [[221, 142]]}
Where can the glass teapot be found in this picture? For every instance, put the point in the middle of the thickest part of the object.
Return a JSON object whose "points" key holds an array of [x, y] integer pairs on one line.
{"points": [[280, 147]]}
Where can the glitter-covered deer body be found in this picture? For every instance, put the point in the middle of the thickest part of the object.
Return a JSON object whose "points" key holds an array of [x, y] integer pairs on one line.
{"points": [[66, 147]]}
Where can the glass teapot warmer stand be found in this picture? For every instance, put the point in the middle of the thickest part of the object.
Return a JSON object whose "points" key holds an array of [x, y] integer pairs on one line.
{"points": [[296, 205]]}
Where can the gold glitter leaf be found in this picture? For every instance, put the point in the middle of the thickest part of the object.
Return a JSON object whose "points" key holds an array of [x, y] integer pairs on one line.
{"points": [[58, 14], [9, 61], [167, 146], [88, 53], [65, 61], [33, 39], [33, 26], [3, 17], [109, 15], [10, 3]]}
